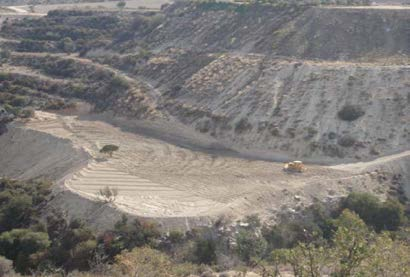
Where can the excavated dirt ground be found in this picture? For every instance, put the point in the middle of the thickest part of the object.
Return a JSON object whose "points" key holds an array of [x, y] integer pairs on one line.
{"points": [[162, 181]]}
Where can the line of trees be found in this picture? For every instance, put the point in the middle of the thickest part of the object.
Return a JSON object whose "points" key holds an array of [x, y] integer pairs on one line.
{"points": [[364, 237]]}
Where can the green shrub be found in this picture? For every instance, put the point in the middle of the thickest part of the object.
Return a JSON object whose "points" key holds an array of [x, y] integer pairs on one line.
{"points": [[19, 244], [26, 113], [242, 126], [19, 101], [127, 236], [109, 149], [205, 251], [364, 204], [249, 245], [381, 216], [19, 201], [67, 45], [346, 141], [390, 216], [118, 84], [350, 112], [176, 236]]}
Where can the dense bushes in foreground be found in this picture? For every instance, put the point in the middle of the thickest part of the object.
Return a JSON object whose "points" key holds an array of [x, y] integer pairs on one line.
{"points": [[353, 251], [350, 242]]}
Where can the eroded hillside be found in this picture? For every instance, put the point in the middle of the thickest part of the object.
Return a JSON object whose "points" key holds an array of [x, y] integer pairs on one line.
{"points": [[212, 84], [259, 79]]}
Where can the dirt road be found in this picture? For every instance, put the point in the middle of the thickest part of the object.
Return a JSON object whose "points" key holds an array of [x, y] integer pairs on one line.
{"points": [[131, 5]]}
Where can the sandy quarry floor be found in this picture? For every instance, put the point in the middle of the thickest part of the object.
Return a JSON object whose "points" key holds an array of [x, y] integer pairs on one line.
{"points": [[157, 179]]}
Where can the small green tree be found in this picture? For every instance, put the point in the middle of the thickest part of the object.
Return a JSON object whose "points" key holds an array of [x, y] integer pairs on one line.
{"points": [[249, 245], [350, 112], [390, 216], [305, 259], [67, 45], [363, 204], [351, 243], [389, 258], [205, 251], [109, 149], [387, 215], [121, 5], [20, 245]]}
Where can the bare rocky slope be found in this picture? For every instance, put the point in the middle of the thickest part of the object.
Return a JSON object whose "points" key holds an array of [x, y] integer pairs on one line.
{"points": [[262, 80], [247, 96]]}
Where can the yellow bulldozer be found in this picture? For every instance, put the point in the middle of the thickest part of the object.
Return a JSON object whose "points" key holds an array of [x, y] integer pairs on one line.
{"points": [[296, 166]]}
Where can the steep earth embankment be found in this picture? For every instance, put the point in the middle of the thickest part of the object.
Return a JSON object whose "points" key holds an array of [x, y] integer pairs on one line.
{"points": [[293, 107]]}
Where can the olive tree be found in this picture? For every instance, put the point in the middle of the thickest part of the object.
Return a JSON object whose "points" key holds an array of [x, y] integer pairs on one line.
{"points": [[109, 149]]}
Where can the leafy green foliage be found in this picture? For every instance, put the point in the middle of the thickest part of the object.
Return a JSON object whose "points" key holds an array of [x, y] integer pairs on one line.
{"points": [[351, 243], [353, 251], [127, 236], [73, 244], [118, 83], [109, 149], [121, 5], [249, 245], [205, 251], [381, 216], [150, 263], [19, 202], [305, 259], [350, 112], [19, 244], [67, 45]]}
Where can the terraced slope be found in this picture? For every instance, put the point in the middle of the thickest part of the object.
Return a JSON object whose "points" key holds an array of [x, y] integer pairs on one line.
{"points": [[168, 183]]}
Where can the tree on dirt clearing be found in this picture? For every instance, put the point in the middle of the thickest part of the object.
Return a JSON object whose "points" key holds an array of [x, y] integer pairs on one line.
{"points": [[121, 5], [109, 149]]}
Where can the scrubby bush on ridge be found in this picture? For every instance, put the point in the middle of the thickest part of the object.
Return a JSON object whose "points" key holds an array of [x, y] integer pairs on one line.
{"points": [[350, 112]]}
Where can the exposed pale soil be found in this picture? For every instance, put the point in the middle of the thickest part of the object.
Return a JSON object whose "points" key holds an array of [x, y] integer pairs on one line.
{"points": [[155, 179]]}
